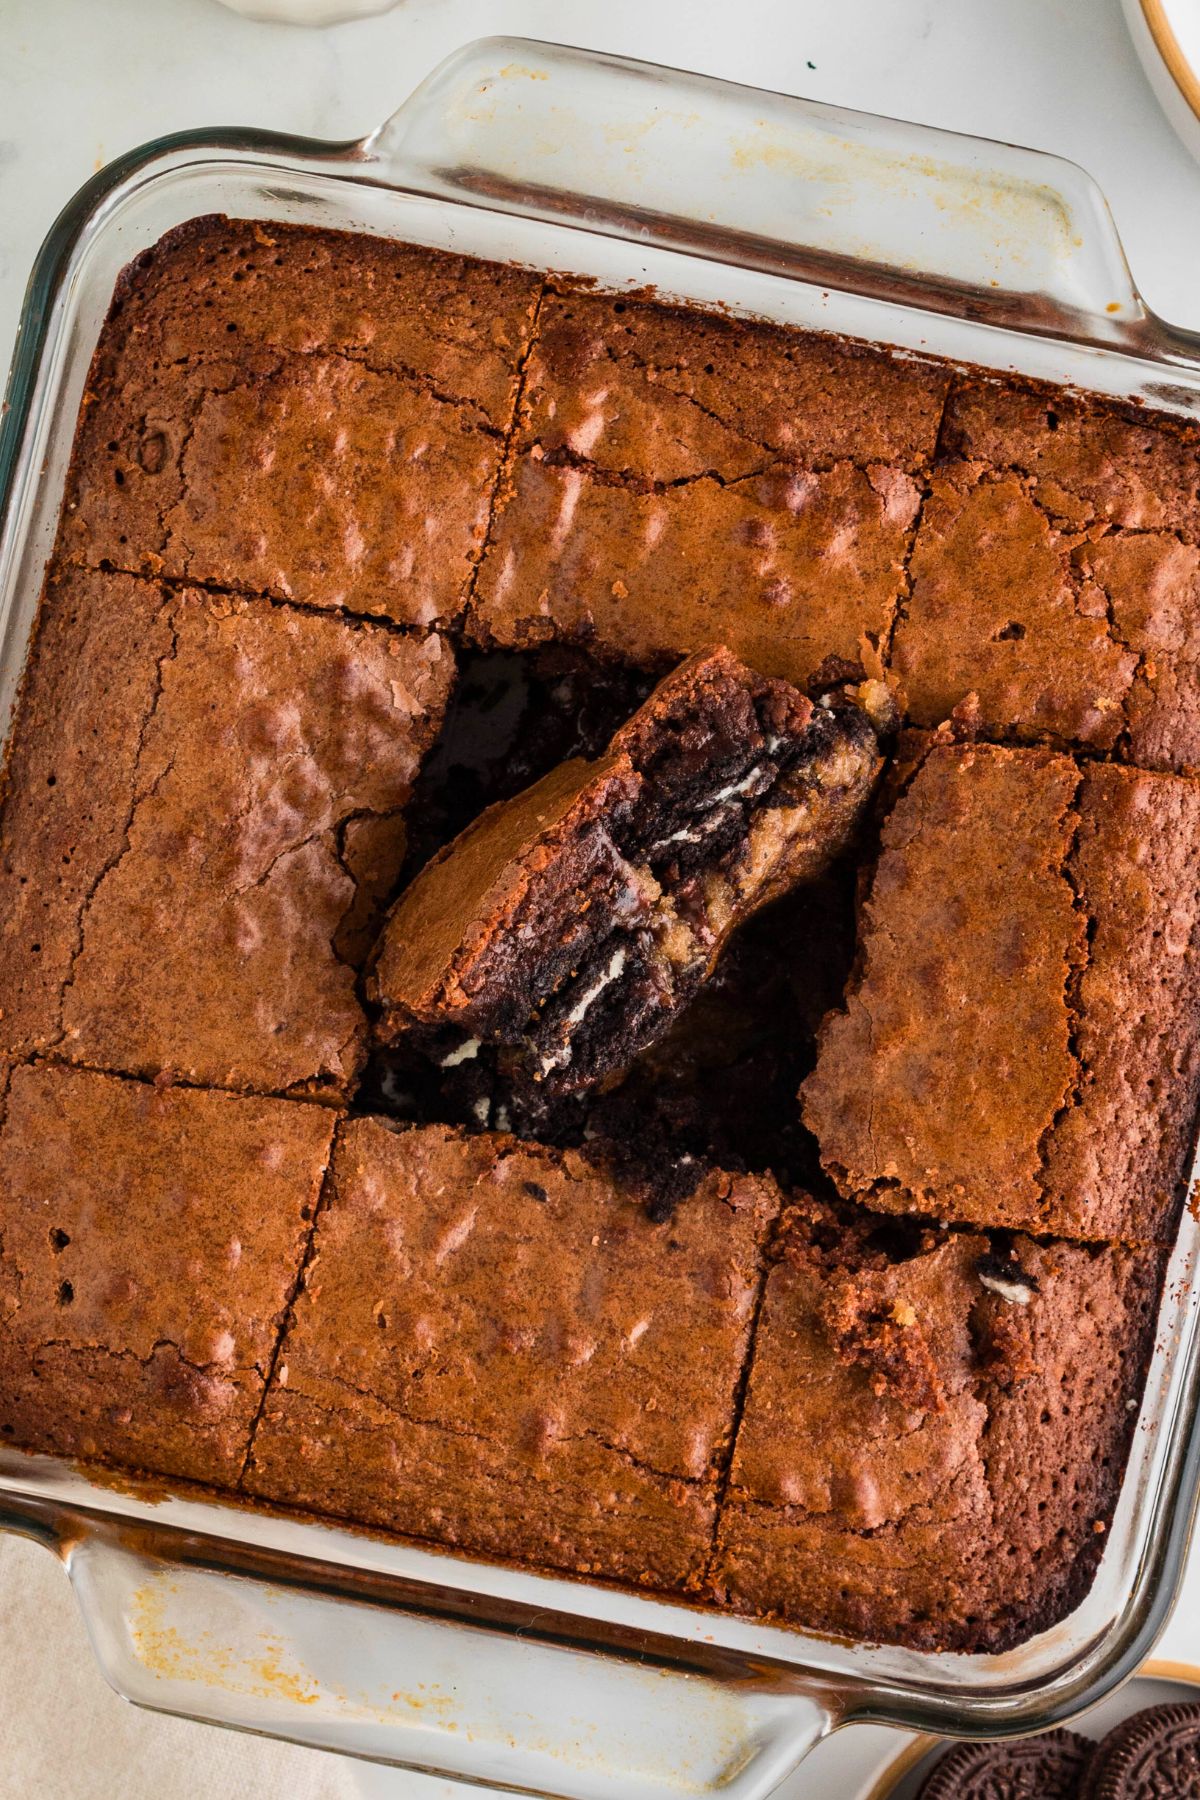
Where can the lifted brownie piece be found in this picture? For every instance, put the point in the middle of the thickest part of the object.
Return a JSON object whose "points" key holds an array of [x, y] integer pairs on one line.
{"points": [[149, 1240], [570, 925], [680, 479], [191, 845], [495, 1348], [934, 1431], [1021, 1046], [301, 414]]}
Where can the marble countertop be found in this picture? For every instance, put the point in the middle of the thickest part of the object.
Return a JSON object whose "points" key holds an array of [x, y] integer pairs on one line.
{"points": [[81, 81]]}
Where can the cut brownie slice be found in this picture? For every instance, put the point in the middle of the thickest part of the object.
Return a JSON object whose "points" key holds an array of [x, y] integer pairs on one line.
{"points": [[1003, 607], [934, 1431], [191, 844], [571, 924], [454, 322], [149, 1240], [1055, 575], [679, 479], [495, 1348], [261, 417], [1022, 1044], [1090, 461]]}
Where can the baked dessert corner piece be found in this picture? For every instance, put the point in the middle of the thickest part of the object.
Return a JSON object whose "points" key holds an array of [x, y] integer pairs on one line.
{"points": [[934, 1431], [569, 925], [496, 1349], [149, 1241], [1021, 1046], [313, 415], [1056, 575], [194, 843]]}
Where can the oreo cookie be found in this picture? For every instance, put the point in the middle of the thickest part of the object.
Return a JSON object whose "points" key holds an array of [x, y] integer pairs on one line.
{"points": [[1049, 1767], [1155, 1755]]}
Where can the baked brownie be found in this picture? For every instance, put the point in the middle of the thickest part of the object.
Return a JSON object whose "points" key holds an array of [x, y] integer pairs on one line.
{"points": [[934, 1432], [1089, 460], [1021, 1046], [89, 687], [1055, 574], [302, 414], [680, 479], [495, 1348], [187, 845], [570, 925], [1003, 606], [149, 1240]]}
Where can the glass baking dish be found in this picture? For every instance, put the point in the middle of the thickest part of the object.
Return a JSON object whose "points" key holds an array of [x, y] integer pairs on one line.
{"points": [[633, 175]]}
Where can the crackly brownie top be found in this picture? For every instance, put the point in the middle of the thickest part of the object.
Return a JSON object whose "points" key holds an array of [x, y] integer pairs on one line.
{"points": [[229, 809], [451, 324], [882, 1483], [680, 479], [310, 415], [1088, 461], [309, 462], [149, 1239], [480, 1284], [1020, 1046], [666, 393], [1054, 574]]}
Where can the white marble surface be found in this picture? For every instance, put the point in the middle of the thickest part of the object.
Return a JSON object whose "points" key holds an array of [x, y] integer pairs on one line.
{"points": [[81, 80]]}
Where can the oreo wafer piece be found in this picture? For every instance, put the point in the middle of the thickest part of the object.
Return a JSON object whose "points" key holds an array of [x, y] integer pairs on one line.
{"points": [[1155, 1755], [1049, 1767]]}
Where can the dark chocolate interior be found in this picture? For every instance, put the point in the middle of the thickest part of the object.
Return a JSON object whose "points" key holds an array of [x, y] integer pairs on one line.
{"points": [[720, 1086]]}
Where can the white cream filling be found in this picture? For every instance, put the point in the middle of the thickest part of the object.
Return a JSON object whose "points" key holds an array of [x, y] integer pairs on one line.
{"points": [[737, 788], [463, 1054], [1015, 1292], [616, 964], [757, 778]]}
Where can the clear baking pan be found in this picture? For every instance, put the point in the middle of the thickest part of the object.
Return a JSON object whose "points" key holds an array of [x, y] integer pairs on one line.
{"points": [[630, 174]]}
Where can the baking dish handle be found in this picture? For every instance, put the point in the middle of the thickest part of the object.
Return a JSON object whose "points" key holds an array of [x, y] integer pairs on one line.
{"points": [[690, 163], [534, 1714]]}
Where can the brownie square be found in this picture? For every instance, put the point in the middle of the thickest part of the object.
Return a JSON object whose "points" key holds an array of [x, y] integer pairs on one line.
{"points": [[149, 1240], [1088, 460], [681, 480], [1054, 574], [261, 418], [1003, 606], [934, 1436], [177, 867], [497, 1349], [1021, 1046]]}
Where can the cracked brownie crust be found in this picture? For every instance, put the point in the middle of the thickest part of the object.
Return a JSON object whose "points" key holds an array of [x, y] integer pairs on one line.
{"points": [[149, 1242], [678, 480], [883, 1484], [1054, 575], [190, 862], [307, 415], [1058, 1091], [497, 1349]]}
